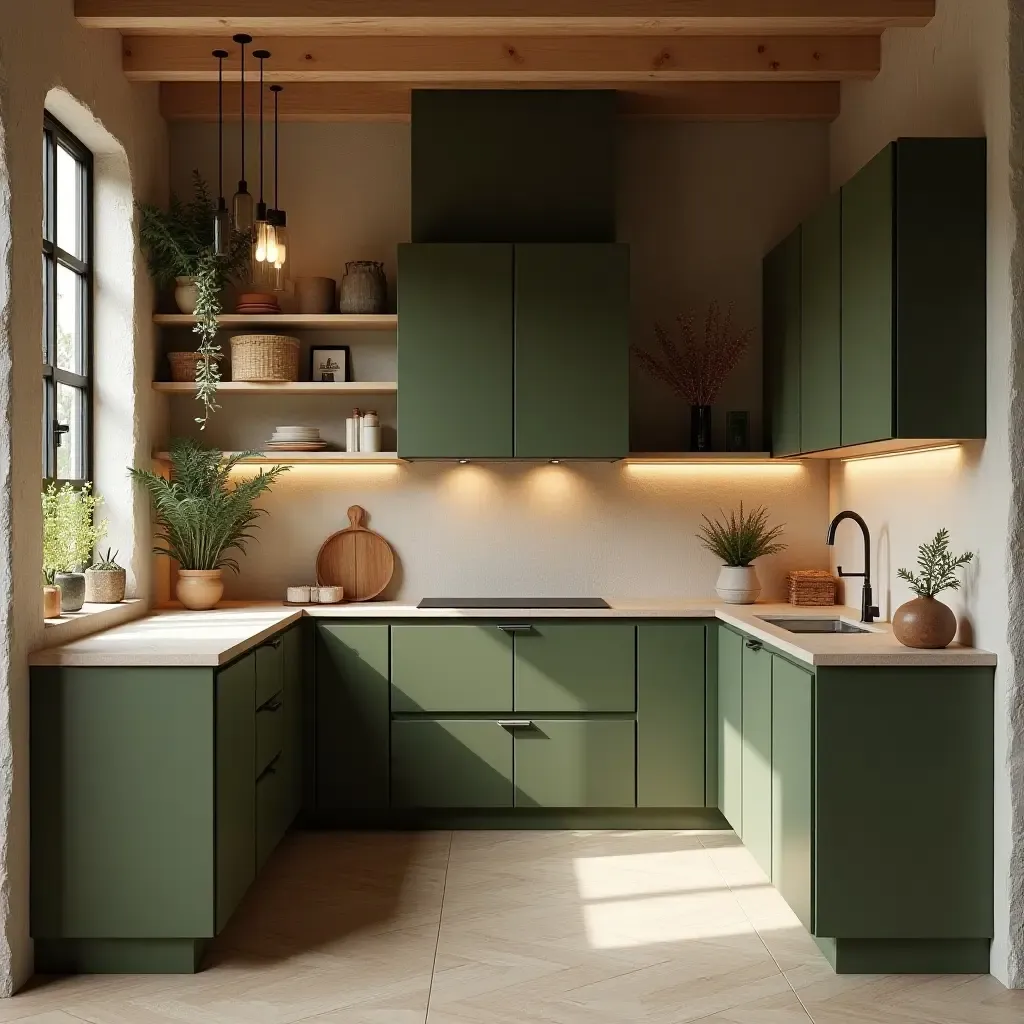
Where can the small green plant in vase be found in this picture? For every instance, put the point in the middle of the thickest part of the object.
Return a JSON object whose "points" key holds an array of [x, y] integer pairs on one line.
{"points": [[70, 532], [737, 539], [925, 622], [105, 580]]}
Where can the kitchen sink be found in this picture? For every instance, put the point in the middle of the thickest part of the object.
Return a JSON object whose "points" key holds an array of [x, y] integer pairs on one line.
{"points": [[816, 625]]}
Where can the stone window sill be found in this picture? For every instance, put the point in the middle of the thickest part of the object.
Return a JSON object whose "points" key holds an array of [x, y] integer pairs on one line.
{"points": [[91, 619]]}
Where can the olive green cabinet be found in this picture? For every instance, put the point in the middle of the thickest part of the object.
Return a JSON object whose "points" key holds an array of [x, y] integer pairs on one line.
{"points": [[890, 286], [730, 727], [756, 771], [490, 334]]}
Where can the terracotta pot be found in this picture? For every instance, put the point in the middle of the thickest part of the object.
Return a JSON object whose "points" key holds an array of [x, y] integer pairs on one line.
{"points": [[185, 294], [72, 590], [51, 602], [738, 584], [199, 589], [104, 586], [925, 623]]}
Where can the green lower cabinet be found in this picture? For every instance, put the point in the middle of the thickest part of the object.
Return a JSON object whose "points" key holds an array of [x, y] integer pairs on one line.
{"points": [[730, 727], [438, 763], [272, 810], [757, 753], [294, 697], [576, 764]]}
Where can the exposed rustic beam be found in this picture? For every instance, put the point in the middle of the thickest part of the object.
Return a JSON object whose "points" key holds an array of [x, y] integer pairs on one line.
{"points": [[562, 59], [483, 17], [356, 101]]}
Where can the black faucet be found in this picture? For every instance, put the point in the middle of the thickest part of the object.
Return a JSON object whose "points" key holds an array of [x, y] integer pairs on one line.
{"points": [[868, 611]]}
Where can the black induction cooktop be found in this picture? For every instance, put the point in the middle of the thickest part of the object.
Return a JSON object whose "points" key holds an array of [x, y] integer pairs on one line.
{"points": [[513, 602]]}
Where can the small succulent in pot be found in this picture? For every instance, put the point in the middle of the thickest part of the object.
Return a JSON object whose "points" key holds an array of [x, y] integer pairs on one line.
{"points": [[70, 532], [738, 539], [925, 622], [105, 580]]}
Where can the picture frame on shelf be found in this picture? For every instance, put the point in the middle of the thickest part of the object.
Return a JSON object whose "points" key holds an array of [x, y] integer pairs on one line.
{"points": [[329, 364], [737, 431]]}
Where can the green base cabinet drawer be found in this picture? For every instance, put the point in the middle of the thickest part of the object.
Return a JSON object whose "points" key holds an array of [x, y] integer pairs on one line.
{"points": [[270, 731], [451, 667], [439, 763], [576, 764], [575, 667], [272, 810], [269, 658]]}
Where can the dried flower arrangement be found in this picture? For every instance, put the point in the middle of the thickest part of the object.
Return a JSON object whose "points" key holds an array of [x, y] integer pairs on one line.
{"points": [[696, 368]]}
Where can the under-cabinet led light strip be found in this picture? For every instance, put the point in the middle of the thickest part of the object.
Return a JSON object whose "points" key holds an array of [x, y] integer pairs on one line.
{"points": [[896, 455]]}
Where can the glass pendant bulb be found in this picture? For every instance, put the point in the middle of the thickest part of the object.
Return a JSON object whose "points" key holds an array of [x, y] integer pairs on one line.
{"points": [[221, 228], [280, 262], [241, 204]]}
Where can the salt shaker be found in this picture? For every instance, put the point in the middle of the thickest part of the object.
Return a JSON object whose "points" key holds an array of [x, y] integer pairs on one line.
{"points": [[369, 432]]}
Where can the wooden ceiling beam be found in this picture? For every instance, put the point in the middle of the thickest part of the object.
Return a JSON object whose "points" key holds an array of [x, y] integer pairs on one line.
{"points": [[361, 102], [463, 17], [533, 59]]}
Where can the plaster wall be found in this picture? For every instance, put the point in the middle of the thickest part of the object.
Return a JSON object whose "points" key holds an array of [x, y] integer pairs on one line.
{"points": [[46, 58], [953, 78]]}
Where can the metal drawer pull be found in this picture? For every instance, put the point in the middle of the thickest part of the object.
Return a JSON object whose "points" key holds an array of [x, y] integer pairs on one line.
{"points": [[272, 705], [754, 645], [271, 768], [515, 723], [274, 642], [516, 627]]}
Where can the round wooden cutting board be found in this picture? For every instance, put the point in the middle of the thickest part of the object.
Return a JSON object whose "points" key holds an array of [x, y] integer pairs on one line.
{"points": [[356, 559]]}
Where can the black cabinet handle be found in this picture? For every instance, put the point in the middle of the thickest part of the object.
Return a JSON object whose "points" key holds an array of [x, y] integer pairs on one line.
{"points": [[271, 768], [515, 627], [274, 642], [754, 645], [272, 705], [515, 723]]}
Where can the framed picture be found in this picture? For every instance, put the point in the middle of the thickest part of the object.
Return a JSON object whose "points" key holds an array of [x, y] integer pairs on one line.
{"points": [[737, 432], [329, 364]]}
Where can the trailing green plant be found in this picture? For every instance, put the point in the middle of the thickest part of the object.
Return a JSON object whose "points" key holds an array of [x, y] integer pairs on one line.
{"points": [[107, 562], [179, 242], [200, 513], [738, 538], [70, 528], [938, 567]]}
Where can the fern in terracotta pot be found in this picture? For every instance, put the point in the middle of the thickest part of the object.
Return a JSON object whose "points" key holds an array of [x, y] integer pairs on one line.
{"points": [[925, 622], [737, 539]]}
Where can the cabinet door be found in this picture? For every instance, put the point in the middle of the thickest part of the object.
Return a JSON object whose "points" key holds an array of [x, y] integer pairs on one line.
{"points": [[236, 784], [576, 764], [293, 696], [757, 753], [792, 828], [572, 351], [271, 810], [352, 716], [438, 763], [821, 328], [781, 328], [580, 666], [670, 714], [867, 302], [269, 659], [730, 727], [455, 351], [451, 667]]}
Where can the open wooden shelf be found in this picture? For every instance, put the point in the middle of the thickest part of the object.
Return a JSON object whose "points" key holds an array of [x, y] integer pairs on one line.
{"points": [[313, 458], [354, 387], [297, 321]]}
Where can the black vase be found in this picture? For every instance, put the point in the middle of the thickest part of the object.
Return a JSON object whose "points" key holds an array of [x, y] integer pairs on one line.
{"points": [[700, 428]]}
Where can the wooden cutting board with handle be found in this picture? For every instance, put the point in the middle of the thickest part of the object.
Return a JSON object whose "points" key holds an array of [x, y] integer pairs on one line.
{"points": [[356, 559]]}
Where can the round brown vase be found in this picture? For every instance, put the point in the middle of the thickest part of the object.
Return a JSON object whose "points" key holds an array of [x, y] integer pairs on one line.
{"points": [[199, 589], [924, 622]]}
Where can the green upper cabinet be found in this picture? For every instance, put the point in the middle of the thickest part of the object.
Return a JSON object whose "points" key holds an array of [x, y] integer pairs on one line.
{"points": [[572, 351], [455, 351], [781, 329], [821, 328]]}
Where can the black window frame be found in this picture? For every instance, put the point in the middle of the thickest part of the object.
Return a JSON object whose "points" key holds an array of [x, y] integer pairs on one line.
{"points": [[54, 134]]}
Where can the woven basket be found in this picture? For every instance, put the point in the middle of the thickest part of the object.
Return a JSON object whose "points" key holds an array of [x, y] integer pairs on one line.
{"points": [[258, 357], [183, 365], [811, 587]]}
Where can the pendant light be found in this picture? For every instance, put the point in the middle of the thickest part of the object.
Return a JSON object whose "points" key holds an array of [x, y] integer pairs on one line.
{"points": [[264, 248], [279, 259], [241, 205], [221, 223]]}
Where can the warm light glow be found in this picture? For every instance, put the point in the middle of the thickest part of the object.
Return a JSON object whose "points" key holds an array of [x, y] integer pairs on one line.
{"points": [[556, 489], [309, 470], [903, 455], [273, 254], [735, 469]]}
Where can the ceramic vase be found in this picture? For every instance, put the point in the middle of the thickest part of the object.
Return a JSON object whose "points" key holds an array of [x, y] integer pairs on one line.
{"points": [[924, 623], [185, 294], [315, 294], [738, 584], [72, 590], [51, 602], [104, 586], [364, 288], [199, 589]]}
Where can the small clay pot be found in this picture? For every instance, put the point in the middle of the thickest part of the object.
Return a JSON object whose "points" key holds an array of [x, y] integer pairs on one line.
{"points": [[924, 623], [104, 586], [51, 602], [72, 590], [199, 589]]}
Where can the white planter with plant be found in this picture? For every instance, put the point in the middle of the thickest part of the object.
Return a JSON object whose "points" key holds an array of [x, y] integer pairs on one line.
{"points": [[202, 516], [737, 539], [179, 245], [105, 580], [70, 532]]}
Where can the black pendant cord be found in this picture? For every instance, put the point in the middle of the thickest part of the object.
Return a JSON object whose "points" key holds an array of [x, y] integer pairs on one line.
{"points": [[242, 39], [276, 90], [262, 55], [220, 55]]}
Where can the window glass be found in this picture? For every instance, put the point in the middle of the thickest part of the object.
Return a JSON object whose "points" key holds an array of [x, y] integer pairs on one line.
{"points": [[69, 210]]}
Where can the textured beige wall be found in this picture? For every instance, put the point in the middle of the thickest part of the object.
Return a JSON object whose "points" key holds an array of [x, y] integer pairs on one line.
{"points": [[953, 79], [699, 205], [42, 49]]}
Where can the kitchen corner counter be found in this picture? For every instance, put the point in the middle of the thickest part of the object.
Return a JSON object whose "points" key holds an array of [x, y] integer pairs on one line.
{"points": [[177, 637]]}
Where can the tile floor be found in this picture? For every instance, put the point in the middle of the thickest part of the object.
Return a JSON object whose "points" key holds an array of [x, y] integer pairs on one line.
{"points": [[502, 927]]}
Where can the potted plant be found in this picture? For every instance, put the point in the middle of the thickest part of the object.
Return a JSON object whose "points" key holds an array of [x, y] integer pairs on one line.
{"points": [[180, 249], [105, 580], [70, 532], [738, 539], [696, 368], [202, 517], [925, 622]]}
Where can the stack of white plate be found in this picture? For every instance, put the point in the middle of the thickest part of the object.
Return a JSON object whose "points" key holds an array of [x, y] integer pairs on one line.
{"points": [[296, 439]]}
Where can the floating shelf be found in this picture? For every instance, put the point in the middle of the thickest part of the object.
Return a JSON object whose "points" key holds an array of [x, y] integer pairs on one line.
{"points": [[706, 459], [297, 321], [356, 387], [313, 458]]}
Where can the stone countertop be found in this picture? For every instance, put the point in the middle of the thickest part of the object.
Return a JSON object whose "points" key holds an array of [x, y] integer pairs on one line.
{"points": [[177, 637]]}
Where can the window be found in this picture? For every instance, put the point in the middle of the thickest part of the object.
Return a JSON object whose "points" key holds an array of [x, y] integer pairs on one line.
{"points": [[67, 305]]}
